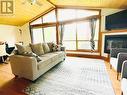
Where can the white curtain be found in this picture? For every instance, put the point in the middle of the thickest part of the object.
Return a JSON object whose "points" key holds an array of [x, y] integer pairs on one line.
{"points": [[93, 27], [61, 34]]}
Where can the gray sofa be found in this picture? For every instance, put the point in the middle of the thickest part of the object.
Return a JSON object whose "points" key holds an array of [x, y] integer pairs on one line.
{"points": [[124, 78], [28, 67], [117, 57]]}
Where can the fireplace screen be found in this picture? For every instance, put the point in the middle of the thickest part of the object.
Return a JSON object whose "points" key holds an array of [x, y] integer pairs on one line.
{"points": [[115, 41]]}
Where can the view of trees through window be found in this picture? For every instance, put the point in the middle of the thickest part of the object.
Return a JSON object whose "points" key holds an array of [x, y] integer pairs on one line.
{"points": [[76, 30]]}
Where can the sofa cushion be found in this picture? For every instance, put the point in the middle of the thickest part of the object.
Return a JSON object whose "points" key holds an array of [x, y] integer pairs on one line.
{"points": [[50, 46], [44, 62], [46, 48], [55, 55], [22, 49], [51, 55], [37, 48], [60, 53]]}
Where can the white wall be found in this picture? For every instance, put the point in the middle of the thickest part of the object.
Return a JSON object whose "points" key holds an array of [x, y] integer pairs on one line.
{"points": [[9, 33], [25, 37], [12, 35]]}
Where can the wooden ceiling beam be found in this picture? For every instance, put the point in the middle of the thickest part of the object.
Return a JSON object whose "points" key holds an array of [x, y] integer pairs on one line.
{"points": [[52, 3]]}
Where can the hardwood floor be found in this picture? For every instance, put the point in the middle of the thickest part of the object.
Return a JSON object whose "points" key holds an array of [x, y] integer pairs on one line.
{"points": [[113, 77], [9, 85]]}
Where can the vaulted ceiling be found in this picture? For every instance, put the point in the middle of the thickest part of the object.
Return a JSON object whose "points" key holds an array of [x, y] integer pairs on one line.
{"points": [[25, 12]]}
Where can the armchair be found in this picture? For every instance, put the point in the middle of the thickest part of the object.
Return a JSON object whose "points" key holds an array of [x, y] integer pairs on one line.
{"points": [[117, 57], [124, 78]]}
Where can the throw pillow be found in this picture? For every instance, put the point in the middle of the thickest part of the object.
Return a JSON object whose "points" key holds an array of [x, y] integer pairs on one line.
{"points": [[55, 47], [46, 48], [21, 49], [31, 54], [50, 46], [37, 48]]}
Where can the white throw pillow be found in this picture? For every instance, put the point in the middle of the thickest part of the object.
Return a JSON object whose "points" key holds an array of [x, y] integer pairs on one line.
{"points": [[46, 48], [37, 48], [22, 49]]}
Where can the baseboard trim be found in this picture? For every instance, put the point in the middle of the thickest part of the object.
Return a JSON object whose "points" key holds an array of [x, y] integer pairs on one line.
{"points": [[89, 56], [84, 56]]}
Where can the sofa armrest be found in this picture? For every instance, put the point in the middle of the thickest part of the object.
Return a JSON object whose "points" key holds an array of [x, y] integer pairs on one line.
{"points": [[114, 51], [121, 58], [23, 65], [124, 69]]}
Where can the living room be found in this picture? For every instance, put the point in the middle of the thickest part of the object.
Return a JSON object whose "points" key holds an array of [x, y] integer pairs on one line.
{"points": [[62, 47]]}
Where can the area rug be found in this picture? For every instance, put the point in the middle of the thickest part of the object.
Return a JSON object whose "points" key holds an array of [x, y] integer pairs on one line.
{"points": [[74, 76]]}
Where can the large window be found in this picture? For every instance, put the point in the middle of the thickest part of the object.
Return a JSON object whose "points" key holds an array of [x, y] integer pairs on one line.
{"points": [[70, 14], [38, 21], [50, 17], [77, 32], [66, 14], [69, 38], [37, 35], [83, 35], [77, 35], [44, 35], [50, 34]]}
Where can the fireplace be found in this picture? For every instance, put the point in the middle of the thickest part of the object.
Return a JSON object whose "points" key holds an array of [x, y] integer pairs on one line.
{"points": [[114, 41]]}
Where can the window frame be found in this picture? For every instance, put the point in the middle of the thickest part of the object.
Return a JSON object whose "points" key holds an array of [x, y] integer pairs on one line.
{"points": [[57, 23]]}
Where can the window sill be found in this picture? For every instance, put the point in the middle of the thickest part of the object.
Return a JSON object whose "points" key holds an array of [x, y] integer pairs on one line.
{"points": [[83, 53]]}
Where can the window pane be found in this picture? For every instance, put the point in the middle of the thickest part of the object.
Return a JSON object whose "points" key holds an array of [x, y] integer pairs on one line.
{"points": [[83, 31], [50, 34], [70, 45], [38, 21], [86, 45], [69, 32], [66, 14], [37, 35], [50, 17], [69, 14], [86, 13]]}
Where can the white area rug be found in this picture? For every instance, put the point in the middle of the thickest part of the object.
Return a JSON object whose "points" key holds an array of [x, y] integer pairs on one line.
{"points": [[74, 76]]}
